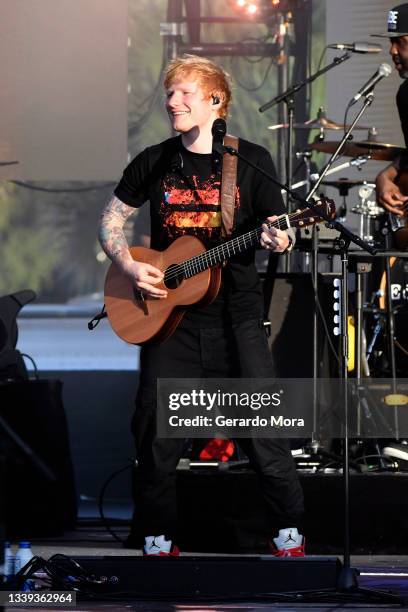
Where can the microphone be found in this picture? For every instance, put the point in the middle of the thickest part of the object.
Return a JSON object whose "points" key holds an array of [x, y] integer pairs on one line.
{"points": [[218, 130], [383, 71], [357, 47]]}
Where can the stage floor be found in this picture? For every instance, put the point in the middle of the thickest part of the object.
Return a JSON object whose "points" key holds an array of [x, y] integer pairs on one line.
{"points": [[377, 572]]}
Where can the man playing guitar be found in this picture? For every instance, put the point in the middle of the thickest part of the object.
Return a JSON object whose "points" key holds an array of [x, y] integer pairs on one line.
{"points": [[226, 338], [389, 191]]}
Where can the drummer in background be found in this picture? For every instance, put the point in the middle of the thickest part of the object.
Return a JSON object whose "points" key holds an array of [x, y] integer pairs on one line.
{"points": [[388, 192]]}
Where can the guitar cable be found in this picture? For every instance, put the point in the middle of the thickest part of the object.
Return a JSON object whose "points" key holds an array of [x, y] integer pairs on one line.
{"points": [[101, 500]]}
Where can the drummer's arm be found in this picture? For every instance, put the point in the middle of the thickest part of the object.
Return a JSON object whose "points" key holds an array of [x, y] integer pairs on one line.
{"points": [[388, 193]]}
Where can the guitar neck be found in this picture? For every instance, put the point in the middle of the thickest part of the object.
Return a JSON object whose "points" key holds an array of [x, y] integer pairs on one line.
{"points": [[226, 250]]}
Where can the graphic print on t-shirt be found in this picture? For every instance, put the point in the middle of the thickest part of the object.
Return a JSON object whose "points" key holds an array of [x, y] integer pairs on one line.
{"points": [[192, 206]]}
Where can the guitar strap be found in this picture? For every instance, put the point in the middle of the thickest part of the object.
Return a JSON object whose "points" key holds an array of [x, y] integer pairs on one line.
{"points": [[228, 183]]}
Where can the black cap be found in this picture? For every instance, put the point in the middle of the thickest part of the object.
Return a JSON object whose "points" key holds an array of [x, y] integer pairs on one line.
{"points": [[397, 22]]}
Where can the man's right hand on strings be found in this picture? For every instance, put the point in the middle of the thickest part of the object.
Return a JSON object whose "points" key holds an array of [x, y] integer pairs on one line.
{"points": [[388, 192], [144, 277]]}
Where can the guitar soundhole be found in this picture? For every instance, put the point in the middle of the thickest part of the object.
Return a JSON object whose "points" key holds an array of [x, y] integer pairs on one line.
{"points": [[173, 276]]}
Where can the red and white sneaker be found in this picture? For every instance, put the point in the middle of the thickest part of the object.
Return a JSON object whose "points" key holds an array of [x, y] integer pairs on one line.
{"points": [[158, 546], [289, 543]]}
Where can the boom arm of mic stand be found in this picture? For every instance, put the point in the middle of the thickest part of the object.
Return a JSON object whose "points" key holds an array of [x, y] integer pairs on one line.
{"points": [[295, 88], [304, 202], [293, 194]]}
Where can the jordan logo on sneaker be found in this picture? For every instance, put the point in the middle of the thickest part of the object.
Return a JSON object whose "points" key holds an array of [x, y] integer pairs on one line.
{"points": [[154, 544], [290, 539]]}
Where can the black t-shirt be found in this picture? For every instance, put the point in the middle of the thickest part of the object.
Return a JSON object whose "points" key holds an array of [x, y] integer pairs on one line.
{"points": [[184, 193], [402, 104]]}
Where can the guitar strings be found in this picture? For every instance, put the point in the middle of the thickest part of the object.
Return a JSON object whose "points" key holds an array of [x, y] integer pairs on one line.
{"points": [[241, 240], [206, 256], [196, 262]]}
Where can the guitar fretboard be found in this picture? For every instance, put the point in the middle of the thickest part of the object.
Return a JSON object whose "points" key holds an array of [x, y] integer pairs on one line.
{"points": [[224, 251]]}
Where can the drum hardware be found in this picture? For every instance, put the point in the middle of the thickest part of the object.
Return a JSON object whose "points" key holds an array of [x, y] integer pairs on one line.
{"points": [[346, 238], [306, 155], [369, 211], [392, 304], [362, 269], [344, 185], [357, 162], [392, 298], [372, 134], [381, 317], [367, 150], [367, 207]]}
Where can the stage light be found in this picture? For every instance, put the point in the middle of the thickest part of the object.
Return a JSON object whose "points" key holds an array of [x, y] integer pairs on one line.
{"points": [[265, 8], [246, 7], [252, 9]]}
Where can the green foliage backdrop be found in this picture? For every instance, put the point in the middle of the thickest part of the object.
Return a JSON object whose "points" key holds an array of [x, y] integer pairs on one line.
{"points": [[48, 239]]}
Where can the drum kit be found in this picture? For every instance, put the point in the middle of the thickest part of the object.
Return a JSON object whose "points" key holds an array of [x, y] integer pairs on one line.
{"points": [[378, 327], [374, 225], [371, 216]]}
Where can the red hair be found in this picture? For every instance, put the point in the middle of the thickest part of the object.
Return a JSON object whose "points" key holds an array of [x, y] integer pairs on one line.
{"points": [[211, 77]]}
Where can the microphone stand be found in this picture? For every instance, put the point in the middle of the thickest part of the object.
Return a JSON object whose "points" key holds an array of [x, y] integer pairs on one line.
{"points": [[347, 581], [288, 97], [295, 88], [315, 444]]}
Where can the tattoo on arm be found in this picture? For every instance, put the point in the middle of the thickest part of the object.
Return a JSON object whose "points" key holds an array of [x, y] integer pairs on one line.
{"points": [[111, 235]]}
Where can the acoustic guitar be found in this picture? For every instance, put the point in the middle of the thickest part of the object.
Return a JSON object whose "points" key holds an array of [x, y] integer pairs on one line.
{"points": [[192, 275]]}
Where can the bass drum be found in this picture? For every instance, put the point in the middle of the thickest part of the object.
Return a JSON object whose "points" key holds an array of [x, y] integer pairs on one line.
{"points": [[399, 297]]}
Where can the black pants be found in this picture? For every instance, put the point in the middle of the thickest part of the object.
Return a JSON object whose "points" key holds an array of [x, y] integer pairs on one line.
{"points": [[240, 350]]}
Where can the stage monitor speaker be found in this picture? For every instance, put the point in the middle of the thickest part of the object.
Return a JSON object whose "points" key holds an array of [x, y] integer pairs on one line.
{"points": [[203, 577]]}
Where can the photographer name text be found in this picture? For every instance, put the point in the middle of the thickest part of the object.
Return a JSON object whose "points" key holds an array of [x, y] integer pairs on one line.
{"points": [[223, 421]]}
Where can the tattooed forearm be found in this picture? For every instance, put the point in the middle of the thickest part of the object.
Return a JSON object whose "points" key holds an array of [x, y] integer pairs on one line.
{"points": [[111, 235], [113, 241]]}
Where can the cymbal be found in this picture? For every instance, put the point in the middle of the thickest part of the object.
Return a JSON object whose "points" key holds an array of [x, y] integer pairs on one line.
{"points": [[375, 150], [321, 122], [345, 183], [374, 144]]}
